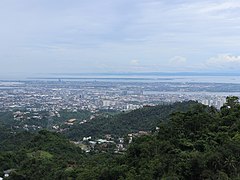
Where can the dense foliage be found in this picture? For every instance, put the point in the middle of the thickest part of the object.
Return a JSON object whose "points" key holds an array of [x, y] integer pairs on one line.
{"points": [[201, 143], [144, 119], [33, 121]]}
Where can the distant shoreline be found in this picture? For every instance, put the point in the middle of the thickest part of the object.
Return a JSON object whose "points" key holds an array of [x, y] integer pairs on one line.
{"points": [[149, 74], [100, 78]]}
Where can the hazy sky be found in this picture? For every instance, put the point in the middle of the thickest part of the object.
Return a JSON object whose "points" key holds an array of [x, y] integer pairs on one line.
{"points": [[61, 36]]}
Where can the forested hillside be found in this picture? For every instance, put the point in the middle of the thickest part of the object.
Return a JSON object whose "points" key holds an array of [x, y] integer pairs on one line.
{"points": [[144, 119], [200, 143]]}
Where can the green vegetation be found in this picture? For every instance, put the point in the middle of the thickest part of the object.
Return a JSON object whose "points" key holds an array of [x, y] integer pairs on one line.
{"points": [[200, 143], [40, 156], [34, 121], [6, 117], [144, 119]]}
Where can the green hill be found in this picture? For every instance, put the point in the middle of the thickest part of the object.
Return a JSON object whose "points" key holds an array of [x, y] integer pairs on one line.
{"points": [[144, 119]]}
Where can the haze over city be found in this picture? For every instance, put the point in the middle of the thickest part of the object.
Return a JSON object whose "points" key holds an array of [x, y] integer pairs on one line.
{"points": [[41, 37]]}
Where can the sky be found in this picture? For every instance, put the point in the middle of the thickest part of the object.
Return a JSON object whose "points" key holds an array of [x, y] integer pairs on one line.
{"points": [[77, 36]]}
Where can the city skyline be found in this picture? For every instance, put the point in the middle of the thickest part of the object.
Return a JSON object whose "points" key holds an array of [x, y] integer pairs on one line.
{"points": [[119, 36]]}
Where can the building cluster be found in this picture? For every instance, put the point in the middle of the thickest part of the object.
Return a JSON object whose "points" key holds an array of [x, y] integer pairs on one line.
{"points": [[217, 102], [108, 143], [53, 96]]}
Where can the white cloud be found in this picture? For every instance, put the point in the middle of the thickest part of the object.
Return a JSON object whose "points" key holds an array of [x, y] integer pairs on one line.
{"points": [[176, 60], [214, 7], [82, 34], [224, 62], [224, 58], [134, 62]]}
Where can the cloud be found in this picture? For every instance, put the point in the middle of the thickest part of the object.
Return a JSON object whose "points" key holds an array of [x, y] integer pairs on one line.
{"points": [[176, 60], [221, 7], [134, 62], [37, 36], [224, 58], [224, 61]]}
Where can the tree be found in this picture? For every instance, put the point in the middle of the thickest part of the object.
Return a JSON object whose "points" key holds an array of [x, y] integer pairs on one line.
{"points": [[232, 101]]}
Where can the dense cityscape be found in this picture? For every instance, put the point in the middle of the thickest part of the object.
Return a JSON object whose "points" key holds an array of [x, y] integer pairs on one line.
{"points": [[96, 95]]}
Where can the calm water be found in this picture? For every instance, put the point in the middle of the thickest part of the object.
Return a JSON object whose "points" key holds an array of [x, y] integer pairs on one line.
{"points": [[193, 93], [183, 79]]}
